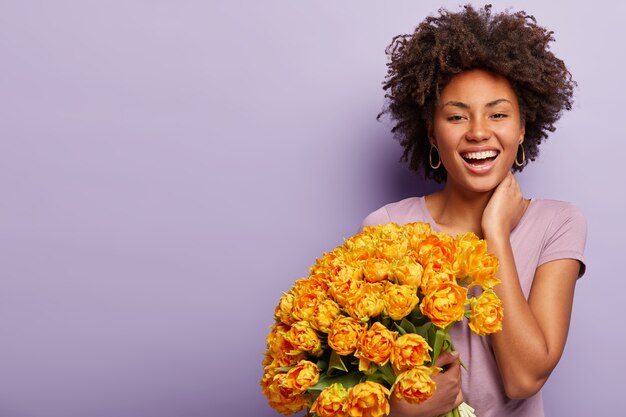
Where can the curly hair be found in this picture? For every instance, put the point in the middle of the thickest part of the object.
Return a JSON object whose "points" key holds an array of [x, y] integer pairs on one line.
{"points": [[509, 44]]}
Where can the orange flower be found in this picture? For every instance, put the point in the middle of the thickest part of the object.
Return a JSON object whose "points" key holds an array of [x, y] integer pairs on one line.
{"points": [[389, 231], [375, 345], [368, 399], [284, 309], [407, 271], [324, 315], [304, 304], [393, 249], [344, 334], [277, 343], [304, 339], [444, 303], [366, 302], [346, 272], [473, 261], [305, 286], [415, 385], [281, 396], [302, 376], [418, 230], [376, 269], [487, 313], [409, 351], [399, 300], [436, 272], [332, 402], [341, 291], [360, 241], [436, 246]]}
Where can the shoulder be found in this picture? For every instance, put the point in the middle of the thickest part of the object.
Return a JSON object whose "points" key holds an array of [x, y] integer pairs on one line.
{"points": [[565, 230], [556, 212], [396, 212]]}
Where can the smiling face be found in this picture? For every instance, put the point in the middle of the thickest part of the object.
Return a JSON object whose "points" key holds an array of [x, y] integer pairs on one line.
{"points": [[477, 129]]}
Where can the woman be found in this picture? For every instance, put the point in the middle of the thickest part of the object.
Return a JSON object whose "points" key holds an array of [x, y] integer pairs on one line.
{"points": [[473, 94]]}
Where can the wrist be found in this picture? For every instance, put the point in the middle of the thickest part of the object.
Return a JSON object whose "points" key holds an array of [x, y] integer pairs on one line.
{"points": [[495, 233]]}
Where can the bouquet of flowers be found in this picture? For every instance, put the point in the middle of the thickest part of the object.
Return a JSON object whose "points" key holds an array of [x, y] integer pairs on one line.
{"points": [[371, 319]]}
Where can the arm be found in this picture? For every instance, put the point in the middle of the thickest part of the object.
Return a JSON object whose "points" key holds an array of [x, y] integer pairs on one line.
{"points": [[534, 331]]}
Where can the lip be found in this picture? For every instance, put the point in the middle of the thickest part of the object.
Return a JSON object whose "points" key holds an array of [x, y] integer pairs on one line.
{"points": [[484, 168]]}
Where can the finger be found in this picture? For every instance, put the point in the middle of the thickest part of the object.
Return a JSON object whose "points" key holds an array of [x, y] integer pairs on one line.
{"points": [[447, 358], [459, 399]]}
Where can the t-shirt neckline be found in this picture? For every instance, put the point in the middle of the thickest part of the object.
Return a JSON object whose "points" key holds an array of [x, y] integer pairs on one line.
{"points": [[434, 226]]}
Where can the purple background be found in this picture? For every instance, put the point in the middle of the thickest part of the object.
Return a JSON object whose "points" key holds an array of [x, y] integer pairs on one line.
{"points": [[167, 168]]}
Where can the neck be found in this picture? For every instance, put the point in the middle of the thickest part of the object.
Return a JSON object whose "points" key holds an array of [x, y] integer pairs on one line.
{"points": [[458, 211]]}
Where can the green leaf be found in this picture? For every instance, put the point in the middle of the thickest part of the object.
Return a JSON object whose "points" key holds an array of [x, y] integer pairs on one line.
{"points": [[437, 344], [347, 380], [322, 364], [336, 362], [400, 329], [408, 326], [423, 329], [388, 373]]}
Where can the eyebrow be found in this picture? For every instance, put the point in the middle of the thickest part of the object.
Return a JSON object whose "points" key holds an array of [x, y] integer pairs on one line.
{"points": [[462, 105]]}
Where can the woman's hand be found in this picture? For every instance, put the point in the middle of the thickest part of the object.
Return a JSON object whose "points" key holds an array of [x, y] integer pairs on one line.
{"points": [[505, 208], [447, 393]]}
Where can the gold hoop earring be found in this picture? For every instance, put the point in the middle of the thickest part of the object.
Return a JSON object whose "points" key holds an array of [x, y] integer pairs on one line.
{"points": [[430, 157], [518, 163]]}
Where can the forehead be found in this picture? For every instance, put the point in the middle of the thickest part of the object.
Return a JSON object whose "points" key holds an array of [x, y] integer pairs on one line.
{"points": [[476, 87]]}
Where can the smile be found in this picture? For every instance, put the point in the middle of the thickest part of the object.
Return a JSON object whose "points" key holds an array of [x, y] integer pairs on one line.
{"points": [[481, 161]]}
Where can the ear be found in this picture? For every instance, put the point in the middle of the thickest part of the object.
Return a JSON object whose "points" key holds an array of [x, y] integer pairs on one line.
{"points": [[430, 134], [522, 133]]}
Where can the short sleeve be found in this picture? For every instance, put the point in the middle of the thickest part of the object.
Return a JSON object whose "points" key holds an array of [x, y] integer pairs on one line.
{"points": [[376, 218], [566, 237]]}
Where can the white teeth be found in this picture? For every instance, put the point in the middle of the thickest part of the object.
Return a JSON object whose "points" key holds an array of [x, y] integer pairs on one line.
{"points": [[480, 155]]}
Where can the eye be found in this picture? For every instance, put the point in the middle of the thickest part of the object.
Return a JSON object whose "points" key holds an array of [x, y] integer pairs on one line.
{"points": [[499, 115], [455, 118]]}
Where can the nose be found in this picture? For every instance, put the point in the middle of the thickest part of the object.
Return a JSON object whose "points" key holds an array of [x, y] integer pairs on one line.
{"points": [[478, 130]]}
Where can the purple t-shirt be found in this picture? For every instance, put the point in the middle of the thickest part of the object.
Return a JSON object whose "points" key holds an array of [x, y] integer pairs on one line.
{"points": [[548, 230]]}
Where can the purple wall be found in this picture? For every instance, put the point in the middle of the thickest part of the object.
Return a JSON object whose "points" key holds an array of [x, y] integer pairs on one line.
{"points": [[168, 168]]}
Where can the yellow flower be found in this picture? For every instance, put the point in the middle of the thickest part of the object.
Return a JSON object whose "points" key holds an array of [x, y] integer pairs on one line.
{"points": [[326, 266], [487, 313], [436, 272], [281, 396], [407, 271], [368, 399], [415, 385], [417, 229], [305, 286], [389, 231], [302, 376], [399, 300], [409, 351], [332, 402], [284, 309], [473, 261], [324, 315], [360, 242], [436, 246], [341, 291], [444, 303], [375, 345], [304, 339], [344, 334], [345, 272], [376, 269], [304, 304], [366, 302], [393, 249], [277, 343]]}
